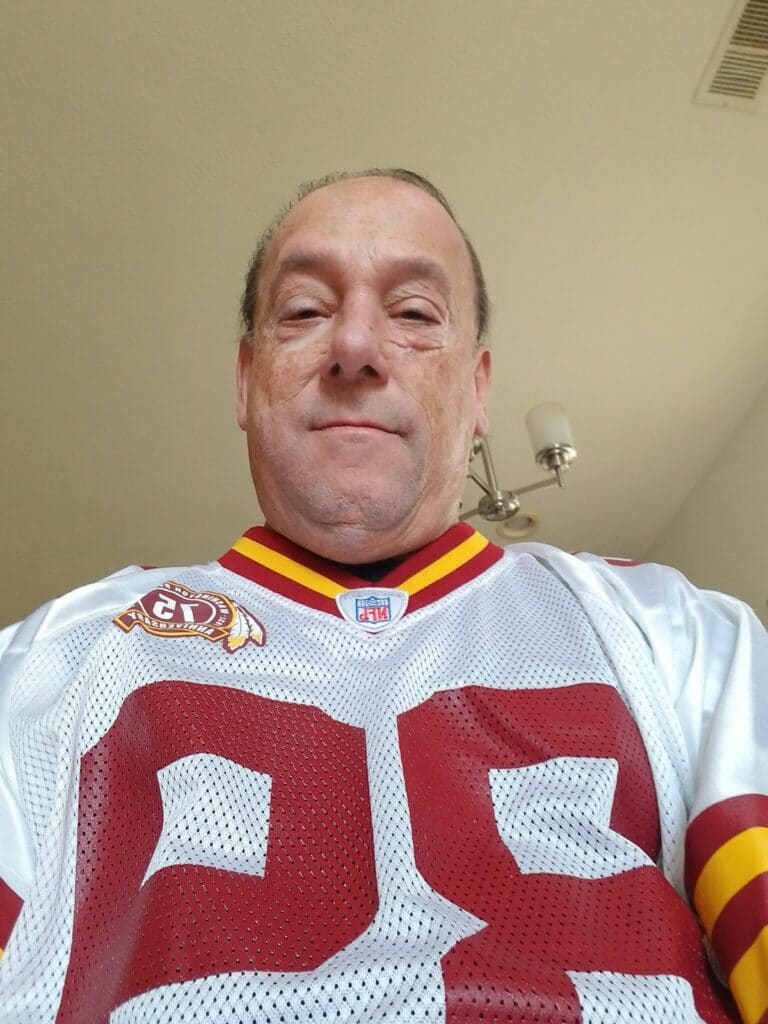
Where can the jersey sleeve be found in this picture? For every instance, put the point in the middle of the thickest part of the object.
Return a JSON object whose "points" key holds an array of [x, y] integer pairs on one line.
{"points": [[17, 643], [726, 855], [712, 652], [15, 847]]}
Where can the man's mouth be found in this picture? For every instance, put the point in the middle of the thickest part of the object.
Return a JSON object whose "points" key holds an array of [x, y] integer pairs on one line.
{"points": [[353, 425]]}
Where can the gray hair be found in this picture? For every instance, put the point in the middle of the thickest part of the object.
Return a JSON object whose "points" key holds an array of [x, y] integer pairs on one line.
{"points": [[250, 294]]}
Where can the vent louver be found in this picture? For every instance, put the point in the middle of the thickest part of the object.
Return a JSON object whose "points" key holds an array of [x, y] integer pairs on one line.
{"points": [[739, 65]]}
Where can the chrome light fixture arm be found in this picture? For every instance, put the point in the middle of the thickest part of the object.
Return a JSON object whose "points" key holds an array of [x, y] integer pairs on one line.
{"points": [[554, 450], [495, 505]]}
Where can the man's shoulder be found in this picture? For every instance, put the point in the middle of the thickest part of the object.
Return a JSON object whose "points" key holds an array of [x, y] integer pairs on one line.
{"points": [[660, 599], [100, 599], [585, 565], [630, 585]]}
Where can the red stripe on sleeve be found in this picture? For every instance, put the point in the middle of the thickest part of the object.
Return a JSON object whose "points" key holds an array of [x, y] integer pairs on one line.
{"points": [[740, 922], [715, 826], [10, 908], [625, 562]]}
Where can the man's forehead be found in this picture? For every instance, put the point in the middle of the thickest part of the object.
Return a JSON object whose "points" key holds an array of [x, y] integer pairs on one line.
{"points": [[384, 215], [399, 267]]}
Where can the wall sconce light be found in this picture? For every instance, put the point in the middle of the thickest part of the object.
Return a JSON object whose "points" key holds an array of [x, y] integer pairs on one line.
{"points": [[552, 442]]}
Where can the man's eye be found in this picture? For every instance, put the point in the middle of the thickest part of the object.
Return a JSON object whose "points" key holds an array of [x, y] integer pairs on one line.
{"points": [[301, 313], [414, 313]]}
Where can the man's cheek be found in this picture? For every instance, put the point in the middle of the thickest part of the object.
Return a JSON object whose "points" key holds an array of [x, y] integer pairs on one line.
{"points": [[284, 381], [441, 399]]}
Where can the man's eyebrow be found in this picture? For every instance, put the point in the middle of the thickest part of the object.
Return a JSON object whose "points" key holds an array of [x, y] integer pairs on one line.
{"points": [[297, 263], [301, 261], [420, 268]]}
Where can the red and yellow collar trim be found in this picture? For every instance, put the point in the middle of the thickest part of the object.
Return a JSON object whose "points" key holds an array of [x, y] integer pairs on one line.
{"points": [[267, 558]]}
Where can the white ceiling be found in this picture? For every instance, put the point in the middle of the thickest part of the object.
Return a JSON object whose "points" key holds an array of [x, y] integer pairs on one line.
{"points": [[623, 230]]}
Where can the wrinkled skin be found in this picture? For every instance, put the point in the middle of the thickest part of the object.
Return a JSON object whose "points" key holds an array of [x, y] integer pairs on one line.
{"points": [[363, 385]]}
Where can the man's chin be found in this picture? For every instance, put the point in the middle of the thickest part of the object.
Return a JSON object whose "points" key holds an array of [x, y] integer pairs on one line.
{"points": [[358, 524], [369, 508], [353, 500]]}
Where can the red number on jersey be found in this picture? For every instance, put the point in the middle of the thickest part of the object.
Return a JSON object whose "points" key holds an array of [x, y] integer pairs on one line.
{"points": [[135, 929], [540, 925], [318, 891]]}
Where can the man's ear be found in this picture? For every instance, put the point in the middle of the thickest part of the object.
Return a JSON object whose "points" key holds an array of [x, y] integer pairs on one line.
{"points": [[482, 387], [243, 379]]}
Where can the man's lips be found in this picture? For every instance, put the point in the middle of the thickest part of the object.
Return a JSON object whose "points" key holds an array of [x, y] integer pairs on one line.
{"points": [[355, 425]]}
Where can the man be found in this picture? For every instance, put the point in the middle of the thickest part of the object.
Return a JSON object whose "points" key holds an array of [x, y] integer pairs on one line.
{"points": [[367, 766]]}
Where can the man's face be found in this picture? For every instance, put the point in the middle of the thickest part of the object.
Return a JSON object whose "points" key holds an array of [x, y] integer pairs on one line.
{"points": [[363, 386]]}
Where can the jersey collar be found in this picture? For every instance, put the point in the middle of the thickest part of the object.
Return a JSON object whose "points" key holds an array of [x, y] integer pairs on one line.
{"points": [[273, 561]]}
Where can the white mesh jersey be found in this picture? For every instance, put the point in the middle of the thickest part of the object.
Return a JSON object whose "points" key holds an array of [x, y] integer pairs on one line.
{"points": [[263, 790]]}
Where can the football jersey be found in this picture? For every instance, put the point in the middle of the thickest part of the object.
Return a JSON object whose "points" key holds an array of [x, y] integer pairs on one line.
{"points": [[485, 788]]}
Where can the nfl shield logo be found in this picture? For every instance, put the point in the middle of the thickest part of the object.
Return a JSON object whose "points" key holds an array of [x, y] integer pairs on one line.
{"points": [[372, 608]]}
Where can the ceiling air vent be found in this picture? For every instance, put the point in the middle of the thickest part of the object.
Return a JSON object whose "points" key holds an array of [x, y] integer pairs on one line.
{"points": [[739, 64]]}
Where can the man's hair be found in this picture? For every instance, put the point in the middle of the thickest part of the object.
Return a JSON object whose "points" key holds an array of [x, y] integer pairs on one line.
{"points": [[251, 293]]}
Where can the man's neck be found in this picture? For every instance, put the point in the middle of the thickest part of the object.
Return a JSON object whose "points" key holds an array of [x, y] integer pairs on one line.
{"points": [[373, 571]]}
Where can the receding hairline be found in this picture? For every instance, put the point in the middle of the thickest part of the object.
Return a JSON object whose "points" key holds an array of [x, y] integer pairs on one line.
{"points": [[251, 293], [302, 260]]}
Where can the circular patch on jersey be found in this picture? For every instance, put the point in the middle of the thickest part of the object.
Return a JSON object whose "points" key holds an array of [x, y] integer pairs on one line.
{"points": [[175, 611]]}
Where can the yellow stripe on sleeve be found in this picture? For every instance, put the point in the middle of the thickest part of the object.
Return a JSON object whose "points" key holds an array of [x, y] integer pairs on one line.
{"points": [[446, 564], [749, 980], [288, 567], [729, 869]]}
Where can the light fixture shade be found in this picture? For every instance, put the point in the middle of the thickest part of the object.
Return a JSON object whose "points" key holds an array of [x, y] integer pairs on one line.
{"points": [[548, 427], [523, 525]]}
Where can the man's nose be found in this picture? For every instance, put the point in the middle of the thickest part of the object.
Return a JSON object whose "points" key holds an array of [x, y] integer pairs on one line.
{"points": [[357, 345]]}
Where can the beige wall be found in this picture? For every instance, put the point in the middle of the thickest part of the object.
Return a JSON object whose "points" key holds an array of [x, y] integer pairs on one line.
{"points": [[719, 537]]}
